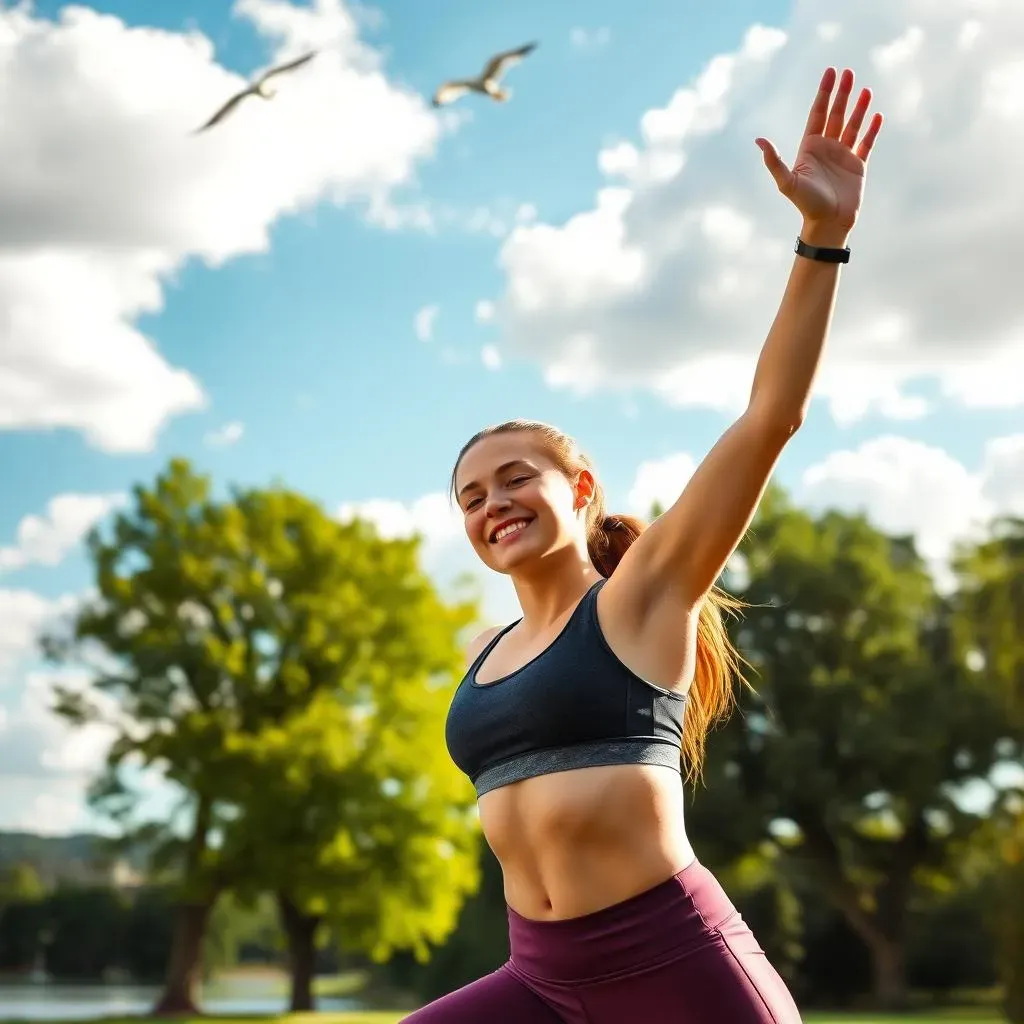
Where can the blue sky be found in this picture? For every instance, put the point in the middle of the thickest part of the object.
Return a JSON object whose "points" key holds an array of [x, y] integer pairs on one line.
{"points": [[309, 342]]}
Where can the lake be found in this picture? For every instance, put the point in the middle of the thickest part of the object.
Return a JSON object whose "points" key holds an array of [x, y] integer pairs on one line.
{"points": [[27, 1001]]}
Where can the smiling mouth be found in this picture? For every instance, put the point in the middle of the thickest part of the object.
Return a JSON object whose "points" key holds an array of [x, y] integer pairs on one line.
{"points": [[509, 531]]}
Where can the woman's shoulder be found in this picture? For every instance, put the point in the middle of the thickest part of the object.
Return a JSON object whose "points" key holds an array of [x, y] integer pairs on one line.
{"points": [[476, 646]]}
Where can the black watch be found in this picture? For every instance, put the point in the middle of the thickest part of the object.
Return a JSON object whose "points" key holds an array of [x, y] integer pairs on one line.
{"points": [[823, 255]]}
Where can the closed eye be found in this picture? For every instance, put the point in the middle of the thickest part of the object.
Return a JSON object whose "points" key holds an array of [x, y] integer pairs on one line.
{"points": [[516, 481]]}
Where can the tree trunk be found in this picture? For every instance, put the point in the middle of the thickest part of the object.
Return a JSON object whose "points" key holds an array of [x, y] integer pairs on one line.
{"points": [[889, 972], [1010, 933], [300, 930], [184, 971]]}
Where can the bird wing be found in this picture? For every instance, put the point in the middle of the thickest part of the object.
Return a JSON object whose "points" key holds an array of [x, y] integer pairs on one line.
{"points": [[225, 110], [449, 92], [289, 66], [501, 62]]}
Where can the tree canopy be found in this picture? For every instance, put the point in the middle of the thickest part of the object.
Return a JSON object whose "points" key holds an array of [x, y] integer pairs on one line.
{"points": [[865, 726], [288, 675]]}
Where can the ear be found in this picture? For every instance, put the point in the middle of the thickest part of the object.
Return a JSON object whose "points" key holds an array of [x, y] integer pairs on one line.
{"points": [[585, 486]]}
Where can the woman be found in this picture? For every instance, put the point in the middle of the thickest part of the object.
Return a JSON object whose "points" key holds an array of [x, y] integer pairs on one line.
{"points": [[572, 721]]}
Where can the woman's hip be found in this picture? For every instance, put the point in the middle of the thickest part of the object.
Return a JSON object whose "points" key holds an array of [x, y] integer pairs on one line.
{"points": [[681, 914], [679, 953]]}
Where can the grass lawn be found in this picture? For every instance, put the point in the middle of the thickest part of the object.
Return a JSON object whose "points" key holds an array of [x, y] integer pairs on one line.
{"points": [[967, 1016]]}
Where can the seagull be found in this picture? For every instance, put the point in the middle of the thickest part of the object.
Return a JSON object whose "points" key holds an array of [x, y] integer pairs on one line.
{"points": [[488, 82], [259, 87]]}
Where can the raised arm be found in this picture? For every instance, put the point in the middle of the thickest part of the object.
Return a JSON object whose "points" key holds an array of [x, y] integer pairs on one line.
{"points": [[685, 550]]}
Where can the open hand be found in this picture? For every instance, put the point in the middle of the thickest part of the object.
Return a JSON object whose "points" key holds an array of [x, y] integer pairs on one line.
{"points": [[826, 182]]}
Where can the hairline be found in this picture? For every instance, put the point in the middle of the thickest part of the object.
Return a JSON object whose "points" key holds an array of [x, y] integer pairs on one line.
{"points": [[532, 427]]}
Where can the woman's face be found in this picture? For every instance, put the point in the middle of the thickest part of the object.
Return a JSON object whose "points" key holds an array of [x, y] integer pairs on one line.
{"points": [[516, 501]]}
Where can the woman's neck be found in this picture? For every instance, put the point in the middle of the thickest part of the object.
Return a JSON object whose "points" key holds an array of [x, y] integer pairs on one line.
{"points": [[555, 586]]}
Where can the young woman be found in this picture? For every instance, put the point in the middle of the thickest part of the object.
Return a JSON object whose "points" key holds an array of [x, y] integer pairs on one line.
{"points": [[574, 721]]}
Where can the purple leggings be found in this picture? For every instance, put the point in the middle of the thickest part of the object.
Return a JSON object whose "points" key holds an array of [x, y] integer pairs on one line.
{"points": [[677, 954]]}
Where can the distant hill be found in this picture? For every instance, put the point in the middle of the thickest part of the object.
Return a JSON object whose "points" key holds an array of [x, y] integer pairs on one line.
{"points": [[83, 858]]}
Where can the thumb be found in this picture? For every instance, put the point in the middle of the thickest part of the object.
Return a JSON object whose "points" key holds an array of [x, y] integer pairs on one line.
{"points": [[776, 167]]}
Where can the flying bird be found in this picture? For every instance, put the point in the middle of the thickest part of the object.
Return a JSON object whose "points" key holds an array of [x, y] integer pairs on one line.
{"points": [[488, 83], [259, 87]]}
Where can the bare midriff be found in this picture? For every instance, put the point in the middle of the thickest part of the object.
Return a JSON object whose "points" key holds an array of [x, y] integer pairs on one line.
{"points": [[575, 842]]}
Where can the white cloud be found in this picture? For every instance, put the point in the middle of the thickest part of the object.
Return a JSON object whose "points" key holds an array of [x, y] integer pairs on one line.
{"points": [[483, 312], [670, 281], [485, 221], [446, 553], [490, 357], [589, 38], [660, 481], [46, 765], [22, 615], [105, 193], [225, 436], [46, 539], [432, 516], [904, 487], [526, 213], [907, 486], [423, 322]]}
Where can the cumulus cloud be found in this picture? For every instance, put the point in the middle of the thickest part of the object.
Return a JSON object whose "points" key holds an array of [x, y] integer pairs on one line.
{"points": [[225, 436], [446, 553], [903, 486], [105, 193], [659, 481], [46, 765], [22, 615], [45, 539], [423, 322], [907, 486], [670, 280], [490, 357]]}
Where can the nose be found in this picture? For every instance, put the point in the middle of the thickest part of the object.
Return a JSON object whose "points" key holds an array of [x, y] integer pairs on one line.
{"points": [[497, 504]]}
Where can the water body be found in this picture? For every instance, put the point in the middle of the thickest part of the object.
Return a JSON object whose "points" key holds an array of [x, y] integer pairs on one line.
{"points": [[60, 1002]]}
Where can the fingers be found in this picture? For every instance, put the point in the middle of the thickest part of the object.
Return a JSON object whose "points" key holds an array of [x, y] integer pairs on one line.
{"points": [[819, 108], [837, 115], [852, 129], [864, 149], [830, 122], [776, 167]]}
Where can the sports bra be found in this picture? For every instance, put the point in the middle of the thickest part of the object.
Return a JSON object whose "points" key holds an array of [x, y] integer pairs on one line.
{"points": [[575, 705]]}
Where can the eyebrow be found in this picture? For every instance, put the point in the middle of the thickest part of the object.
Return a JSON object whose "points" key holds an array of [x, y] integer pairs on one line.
{"points": [[504, 467]]}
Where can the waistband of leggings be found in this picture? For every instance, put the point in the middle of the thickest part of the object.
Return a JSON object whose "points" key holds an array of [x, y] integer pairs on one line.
{"points": [[673, 917]]}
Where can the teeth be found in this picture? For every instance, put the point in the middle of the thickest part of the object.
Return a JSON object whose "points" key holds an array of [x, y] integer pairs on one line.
{"points": [[511, 528]]}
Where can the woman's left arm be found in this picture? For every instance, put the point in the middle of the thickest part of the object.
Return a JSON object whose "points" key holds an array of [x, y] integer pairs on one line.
{"points": [[685, 550]]}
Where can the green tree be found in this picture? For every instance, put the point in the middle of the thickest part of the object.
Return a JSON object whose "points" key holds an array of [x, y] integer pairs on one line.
{"points": [[22, 924], [219, 622], [156, 650], [864, 723], [20, 883], [360, 823], [990, 631], [349, 808], [87, 927]]}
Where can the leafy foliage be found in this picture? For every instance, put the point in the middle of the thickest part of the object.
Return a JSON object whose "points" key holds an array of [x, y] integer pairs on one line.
{"points": [[865, 727], [288, 674]]}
